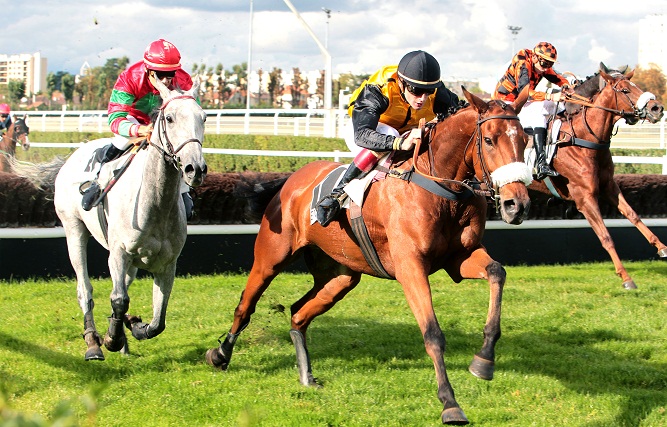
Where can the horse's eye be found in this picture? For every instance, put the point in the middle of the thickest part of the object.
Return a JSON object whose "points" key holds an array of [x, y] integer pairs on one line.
{"points": [[169, 118], [488, 140]]}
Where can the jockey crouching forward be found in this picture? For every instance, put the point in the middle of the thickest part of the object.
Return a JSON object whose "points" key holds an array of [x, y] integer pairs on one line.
{"points": [[387, 105], [527, 68], [133, 99]]}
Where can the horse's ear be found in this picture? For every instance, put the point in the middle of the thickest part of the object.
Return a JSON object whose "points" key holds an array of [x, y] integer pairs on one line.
{"points": [[603, 68], [194, 90], [628, 74], [477, 103], [164, 90], [521, 99]]}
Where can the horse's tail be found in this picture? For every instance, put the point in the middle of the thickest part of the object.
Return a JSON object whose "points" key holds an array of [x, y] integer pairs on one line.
{"points": [[257, 195], [40, 175]]}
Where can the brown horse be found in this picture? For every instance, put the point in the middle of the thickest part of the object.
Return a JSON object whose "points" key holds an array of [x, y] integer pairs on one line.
{"points": [[17, 134], [583, 158], [416, 228]]}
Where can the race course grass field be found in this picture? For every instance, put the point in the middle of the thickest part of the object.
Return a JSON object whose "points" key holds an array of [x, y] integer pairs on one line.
{"points": [[576, 350]]}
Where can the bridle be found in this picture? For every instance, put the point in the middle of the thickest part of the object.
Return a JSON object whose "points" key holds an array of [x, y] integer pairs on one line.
{"points": [[471, 185], [170, 154], [586, 103]]}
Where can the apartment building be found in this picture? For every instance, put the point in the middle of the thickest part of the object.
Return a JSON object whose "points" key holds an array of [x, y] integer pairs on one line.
{"points": [[652, 36], [29, 68]]}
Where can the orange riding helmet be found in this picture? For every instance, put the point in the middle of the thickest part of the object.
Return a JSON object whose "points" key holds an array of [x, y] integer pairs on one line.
{"points": [[162, 55], [546, 50]]}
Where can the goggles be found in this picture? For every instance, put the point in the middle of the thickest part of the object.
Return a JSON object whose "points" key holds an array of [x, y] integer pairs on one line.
{"points": [[418, 91], [165, 74], [544, 63]]}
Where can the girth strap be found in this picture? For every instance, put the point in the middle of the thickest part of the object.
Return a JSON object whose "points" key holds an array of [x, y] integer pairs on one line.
{"points": [[588, 144], [365, 244], [436, 188]]}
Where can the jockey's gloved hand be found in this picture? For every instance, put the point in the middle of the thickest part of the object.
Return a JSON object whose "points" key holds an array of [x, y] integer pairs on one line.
{"points": [[408, 140], [144, 130]]}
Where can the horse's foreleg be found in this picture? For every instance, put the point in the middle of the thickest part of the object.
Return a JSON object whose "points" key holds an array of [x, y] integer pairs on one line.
{"points": [[115, 339], [257, 283], [617, 199], [418, 294], [273, 252], [588, 206], [162, 286], [481, 266]]}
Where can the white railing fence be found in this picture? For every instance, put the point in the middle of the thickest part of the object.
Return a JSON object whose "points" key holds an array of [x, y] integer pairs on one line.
{"points": [[297, 122], [337, 155]]}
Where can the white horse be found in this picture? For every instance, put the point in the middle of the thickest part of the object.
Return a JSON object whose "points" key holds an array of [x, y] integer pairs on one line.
{"points": [[141, 221]]}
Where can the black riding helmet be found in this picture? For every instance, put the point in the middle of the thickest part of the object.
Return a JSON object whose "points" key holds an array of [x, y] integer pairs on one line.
{"points": [[420, 69]]}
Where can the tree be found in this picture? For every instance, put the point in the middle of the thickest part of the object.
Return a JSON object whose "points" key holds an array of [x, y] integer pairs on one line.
{"points": [[16, 90], [298, 86], [652, 80], [67, 87], [276, 87]]}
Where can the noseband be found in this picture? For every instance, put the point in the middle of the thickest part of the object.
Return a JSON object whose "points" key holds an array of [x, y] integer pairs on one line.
{"points": [[170, 153]]}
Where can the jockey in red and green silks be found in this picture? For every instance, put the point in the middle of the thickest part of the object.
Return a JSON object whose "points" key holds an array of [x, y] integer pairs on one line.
{"points": [[133, 99]]}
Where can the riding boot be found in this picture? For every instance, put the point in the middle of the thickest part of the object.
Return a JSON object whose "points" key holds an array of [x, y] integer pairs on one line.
{"points": [[329, 207], [189, 204], [539, 141], [103, 155]]}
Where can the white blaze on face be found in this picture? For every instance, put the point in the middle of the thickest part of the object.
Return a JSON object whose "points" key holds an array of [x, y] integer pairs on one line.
{"points": [[513, 172]]}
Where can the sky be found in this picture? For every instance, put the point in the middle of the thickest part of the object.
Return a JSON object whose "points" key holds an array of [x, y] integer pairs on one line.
{"points": [[470, 38]]}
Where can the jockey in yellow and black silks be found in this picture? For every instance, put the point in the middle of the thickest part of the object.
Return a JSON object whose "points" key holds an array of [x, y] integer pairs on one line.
{"points": [[387, 105]]}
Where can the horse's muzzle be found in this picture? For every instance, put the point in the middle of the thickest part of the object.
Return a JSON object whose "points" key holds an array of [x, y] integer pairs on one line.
{"points": [[194, 174], [654, 111]]}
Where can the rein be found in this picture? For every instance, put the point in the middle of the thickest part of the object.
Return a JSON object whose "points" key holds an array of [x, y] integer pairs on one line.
{"points": [[587, 103], [470, 186]]}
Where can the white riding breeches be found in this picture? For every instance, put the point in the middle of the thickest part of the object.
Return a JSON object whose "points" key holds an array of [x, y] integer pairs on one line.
{"points": [[534, 113]]}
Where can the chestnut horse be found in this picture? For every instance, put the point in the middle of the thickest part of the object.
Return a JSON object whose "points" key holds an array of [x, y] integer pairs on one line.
{"points": [[583, 158], [17, 134], [415, 232]]}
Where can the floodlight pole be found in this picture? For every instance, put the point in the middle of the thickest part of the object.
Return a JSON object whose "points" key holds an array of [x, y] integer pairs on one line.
{"points": [[249, 60], [325, 52], [515, 32]]}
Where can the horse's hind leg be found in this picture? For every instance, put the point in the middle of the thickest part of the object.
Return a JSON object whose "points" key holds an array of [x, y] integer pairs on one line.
{"points": [[77, 239], [588, 206], [332, 281], [617, 199]]}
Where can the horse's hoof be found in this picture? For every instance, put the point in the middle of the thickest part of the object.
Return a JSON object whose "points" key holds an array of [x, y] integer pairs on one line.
{"points": [[454, 416], [215, 359], [482, 368], [94, 353], [662, 253], [629, 285], [130, 320], [114, 345]]}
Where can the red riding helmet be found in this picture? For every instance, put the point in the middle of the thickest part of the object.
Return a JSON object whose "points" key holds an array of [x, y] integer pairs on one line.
{"points": [[162, 55], [546, 50], [4, 109]]}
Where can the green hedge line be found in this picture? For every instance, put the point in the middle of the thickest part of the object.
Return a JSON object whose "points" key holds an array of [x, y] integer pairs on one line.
{"points": [[233, 163]]}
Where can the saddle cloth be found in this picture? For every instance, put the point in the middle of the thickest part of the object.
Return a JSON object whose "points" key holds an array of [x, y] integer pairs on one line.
{"points": [[355, 189]]}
